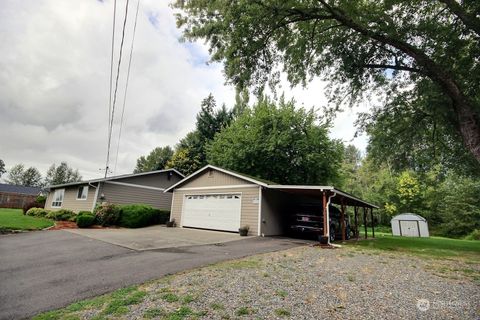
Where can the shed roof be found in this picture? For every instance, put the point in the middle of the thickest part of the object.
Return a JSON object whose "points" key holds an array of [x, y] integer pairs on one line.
{"points": [[116, 178], [409, 216], [338, 197], [11, 188]]}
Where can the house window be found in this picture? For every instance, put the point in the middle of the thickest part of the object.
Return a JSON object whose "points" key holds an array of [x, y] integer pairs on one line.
{"points": [[82, 193], [58, 198]]}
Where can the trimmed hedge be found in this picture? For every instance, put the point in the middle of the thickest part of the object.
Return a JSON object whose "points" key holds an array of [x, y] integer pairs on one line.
{"points": [[141, 215], [61, 215], [85, 219], [33, 204], [37, 212]]}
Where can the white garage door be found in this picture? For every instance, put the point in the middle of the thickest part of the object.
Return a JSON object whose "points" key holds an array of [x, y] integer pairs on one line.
{"points": [[212, 211], [409, 228]]}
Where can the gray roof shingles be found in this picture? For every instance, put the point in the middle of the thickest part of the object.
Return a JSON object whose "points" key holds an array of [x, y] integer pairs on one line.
{"points": [[11, 188]]}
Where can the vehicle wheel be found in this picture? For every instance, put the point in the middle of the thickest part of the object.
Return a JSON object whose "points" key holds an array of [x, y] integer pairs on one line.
{"points": [[332, 234]]}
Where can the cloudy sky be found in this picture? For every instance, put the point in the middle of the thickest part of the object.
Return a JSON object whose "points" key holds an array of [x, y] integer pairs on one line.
{"points": [[54, 84]]}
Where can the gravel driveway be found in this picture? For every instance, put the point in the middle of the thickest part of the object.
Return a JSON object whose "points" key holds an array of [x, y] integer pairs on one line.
{"points": [[313, 283]]}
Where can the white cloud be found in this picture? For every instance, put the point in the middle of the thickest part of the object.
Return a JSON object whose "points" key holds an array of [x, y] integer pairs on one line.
{"points": [[54, 82]]}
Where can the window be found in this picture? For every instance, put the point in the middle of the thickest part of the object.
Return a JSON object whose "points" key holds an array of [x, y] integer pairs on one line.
{"points": [[58, 198], [82, 193]]}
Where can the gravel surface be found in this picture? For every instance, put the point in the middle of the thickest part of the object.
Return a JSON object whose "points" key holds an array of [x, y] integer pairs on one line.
{"points": [[314, 283]]}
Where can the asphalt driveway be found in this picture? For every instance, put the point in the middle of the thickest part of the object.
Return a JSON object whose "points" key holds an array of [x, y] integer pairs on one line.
{"points": [[42, 271]]}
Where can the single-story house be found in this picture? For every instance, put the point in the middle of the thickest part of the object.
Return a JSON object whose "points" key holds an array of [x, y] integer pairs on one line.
{"points": [[145, 188], [218, 199], [14, 196]]}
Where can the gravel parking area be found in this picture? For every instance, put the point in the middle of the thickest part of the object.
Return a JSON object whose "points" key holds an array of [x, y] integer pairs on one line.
{"points": [[307, 283]]}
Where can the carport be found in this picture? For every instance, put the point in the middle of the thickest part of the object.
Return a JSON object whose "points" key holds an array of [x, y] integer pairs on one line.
{"points": [[327, 195]]}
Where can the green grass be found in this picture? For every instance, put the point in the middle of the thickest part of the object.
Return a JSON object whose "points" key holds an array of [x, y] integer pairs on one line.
{"points": [[434, 247], [13, 219]]}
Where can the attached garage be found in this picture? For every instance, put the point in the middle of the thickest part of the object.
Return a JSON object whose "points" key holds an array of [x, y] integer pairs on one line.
{"points": [[217, 199], [212, 211]]}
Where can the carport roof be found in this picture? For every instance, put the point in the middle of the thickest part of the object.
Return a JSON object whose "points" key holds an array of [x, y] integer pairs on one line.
{"points": [[339, 197]]}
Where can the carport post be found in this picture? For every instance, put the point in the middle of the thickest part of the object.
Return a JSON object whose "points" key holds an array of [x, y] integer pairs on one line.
{"points": [[342, 219], [355, 210], [324, 213], [365, 221], [373, 224]]}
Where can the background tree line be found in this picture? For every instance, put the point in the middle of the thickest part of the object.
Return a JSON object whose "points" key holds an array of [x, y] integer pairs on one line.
{"points": [[31, 176]]}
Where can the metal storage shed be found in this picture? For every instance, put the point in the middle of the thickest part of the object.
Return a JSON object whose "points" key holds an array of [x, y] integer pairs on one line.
{"points": [[409, 225]]}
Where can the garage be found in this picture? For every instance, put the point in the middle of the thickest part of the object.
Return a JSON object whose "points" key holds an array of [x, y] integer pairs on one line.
{"points": [[218, 199], [212, 211]]}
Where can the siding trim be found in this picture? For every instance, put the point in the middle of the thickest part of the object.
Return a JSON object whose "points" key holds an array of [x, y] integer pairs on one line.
{"points": [[260, 202], [171, 206], [134, 185], [216, 187]]}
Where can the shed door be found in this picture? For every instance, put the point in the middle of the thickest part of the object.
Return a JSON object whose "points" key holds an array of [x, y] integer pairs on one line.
{"points": [[409, 228], [212, 211]]}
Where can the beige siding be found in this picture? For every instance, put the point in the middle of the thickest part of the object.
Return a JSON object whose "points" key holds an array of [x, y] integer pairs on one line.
{"points": [[70, 200], [120, 194], [213, 178], [250, 203]]}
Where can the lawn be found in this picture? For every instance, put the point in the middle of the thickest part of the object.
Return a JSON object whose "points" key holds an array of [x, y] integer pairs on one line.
{"points": [[13, 219], [434, 247]]}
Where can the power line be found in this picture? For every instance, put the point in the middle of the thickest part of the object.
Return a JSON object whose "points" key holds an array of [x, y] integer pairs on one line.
{"points": [[116, 89], [111, 79], [126, 87]]}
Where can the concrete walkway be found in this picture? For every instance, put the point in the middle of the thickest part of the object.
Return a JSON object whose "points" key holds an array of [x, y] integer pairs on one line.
{"points": [[156, 237], [46, 270]]}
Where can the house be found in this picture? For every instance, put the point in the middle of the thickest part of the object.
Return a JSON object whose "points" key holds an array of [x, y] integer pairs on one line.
{"points": [[145, 188], [218, 199], [13, 196]]}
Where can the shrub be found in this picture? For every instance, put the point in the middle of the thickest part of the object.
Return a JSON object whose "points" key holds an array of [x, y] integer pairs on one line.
{"points": [[41, 200], [163, 217], [139, 215], [85, 219], [474, 235], [107, 214], [33, 204], [61, 215], [37, 212]]}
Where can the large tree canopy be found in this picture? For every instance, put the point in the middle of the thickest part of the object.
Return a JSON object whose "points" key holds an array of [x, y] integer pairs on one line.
{"points": [[278, 143], [389, 47], [18, 175], [61, 174], [155, 160]]}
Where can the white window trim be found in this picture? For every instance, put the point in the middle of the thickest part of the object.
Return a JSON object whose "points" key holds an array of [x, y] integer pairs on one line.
{"points": [[86, 196], [61, 202]]}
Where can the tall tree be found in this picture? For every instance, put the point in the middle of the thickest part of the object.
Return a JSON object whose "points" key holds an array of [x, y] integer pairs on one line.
{"points": [[61, 174], [18, 175], [390, 46], [155, 160], [2, 168], [278, 143]]}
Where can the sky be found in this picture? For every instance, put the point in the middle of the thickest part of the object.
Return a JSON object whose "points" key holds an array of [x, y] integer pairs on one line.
{"points": [[54, 85]]}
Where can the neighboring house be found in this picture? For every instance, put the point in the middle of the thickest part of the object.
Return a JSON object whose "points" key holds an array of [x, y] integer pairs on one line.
{"points": [[218, 199], [13, 196], [144, 188]]}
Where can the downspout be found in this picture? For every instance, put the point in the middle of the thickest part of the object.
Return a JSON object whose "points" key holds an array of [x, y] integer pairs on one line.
{"points": [[328, 216], [96, 194]]}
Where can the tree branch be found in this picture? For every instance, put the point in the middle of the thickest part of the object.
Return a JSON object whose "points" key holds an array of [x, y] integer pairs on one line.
{"points": [[394, 67], [469, 20]]}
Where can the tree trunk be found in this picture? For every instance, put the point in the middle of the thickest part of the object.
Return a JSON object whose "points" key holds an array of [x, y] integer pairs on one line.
{"points": [[469, 127]]}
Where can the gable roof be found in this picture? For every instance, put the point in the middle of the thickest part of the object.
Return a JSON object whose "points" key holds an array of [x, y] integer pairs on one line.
{"points": [[303, 189], [11, 188], [231, 173], [123, 176]]}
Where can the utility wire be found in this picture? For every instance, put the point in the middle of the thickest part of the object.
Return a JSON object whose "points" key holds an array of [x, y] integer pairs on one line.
{"points": [[126, 87], [116, 89], [111, 77]]}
